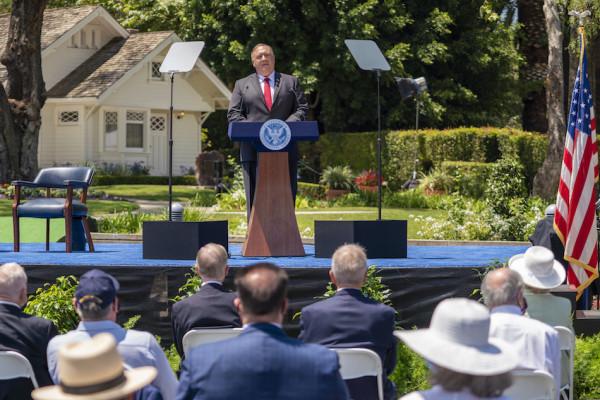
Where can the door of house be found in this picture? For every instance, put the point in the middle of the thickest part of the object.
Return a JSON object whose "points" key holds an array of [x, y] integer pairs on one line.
{"points": [[158, 132]]}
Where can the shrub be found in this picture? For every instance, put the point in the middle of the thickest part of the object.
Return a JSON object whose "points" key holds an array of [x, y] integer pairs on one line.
{"points": [[311, 191], [337, 177], [191, 286], [468, 178], [101, 180], [436, 181], [407, 199], [367, 178], [586, 376], [127, 222], [411, 373], [54, 302], [362, 198], [204, 198], [506, 182]]}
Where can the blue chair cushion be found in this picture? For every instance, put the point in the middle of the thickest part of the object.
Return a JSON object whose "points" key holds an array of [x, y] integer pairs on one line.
{"points": [[50, 208]]}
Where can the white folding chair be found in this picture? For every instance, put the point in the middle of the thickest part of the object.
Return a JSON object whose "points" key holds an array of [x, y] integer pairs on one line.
{"points": [[197, 337], [531, 385], [567, 345], [15, 365], [355, 363]]}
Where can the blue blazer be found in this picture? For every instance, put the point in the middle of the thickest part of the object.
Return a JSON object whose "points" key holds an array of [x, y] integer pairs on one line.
{"points": [[262, 363], [350, 319]]}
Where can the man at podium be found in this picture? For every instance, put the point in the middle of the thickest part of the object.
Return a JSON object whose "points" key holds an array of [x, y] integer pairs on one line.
{"points": [[261, 96]]}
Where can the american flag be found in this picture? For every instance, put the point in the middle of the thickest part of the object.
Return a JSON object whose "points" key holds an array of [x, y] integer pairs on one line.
{"points": [[575, 216]]}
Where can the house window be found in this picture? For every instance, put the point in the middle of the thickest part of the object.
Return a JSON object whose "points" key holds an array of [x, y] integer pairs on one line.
{"points": [[157, 123], [68, 118], [93, 39], [134, 130], [82, 40], [74, 41], [111, 129], [155, 73]]}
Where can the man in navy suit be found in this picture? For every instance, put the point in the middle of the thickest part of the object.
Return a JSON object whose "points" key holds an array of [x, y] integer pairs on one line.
{"points": [[263, 95], [349, 319], [212, 306], [263, 362], [23, 333]]}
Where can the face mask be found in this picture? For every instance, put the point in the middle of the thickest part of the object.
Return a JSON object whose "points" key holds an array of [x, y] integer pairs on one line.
{"points": [[523, 305]]}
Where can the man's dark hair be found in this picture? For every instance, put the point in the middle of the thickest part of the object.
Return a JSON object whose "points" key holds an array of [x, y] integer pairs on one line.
{"points": [[263, 295]]}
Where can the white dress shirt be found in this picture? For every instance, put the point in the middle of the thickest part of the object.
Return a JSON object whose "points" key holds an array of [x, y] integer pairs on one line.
{"points": [[137, 348], [438, 393], [536, 343], [261, 80]]}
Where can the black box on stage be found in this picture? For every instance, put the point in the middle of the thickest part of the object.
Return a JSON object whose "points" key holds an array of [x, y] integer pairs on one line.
{"points": [[380, 238], [181, 240]]}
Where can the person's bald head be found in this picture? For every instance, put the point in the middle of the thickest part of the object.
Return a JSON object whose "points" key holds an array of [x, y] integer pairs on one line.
{"points": [[502, 286], [262, 290], [13, 283]]}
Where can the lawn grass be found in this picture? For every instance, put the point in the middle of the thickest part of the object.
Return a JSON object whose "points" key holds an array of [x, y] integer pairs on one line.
{"points": [[149, 192]]}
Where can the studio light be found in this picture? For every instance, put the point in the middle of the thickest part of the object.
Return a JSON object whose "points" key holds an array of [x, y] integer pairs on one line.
{"points": [[410, 87]]}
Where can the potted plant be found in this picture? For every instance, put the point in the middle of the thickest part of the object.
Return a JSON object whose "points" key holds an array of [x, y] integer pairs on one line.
{"points": [[436, 182], [367, 181], [337, 180]]}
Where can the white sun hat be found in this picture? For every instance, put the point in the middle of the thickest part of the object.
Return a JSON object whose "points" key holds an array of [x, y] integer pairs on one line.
{"points": [[93, 370], [458, 340], [538, 268]]}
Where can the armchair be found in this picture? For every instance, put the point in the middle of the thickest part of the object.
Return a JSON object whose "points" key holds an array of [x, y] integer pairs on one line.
{"points": [[68, 178]]}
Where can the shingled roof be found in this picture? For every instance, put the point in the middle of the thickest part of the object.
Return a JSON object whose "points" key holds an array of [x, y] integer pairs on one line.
{"points": [[108, 65], [57, 21]]}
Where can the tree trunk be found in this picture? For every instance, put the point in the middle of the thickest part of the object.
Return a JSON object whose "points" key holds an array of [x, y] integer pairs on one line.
{"points": [[546, 180], [24, 94], [534, 47]]}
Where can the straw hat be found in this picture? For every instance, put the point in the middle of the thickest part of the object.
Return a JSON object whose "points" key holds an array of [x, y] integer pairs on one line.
{"points": [[538, 268], [93, 370], [458, 339]]}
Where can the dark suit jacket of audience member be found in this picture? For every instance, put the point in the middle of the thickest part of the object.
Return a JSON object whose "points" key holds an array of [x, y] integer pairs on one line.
{"points": [[262, 363], [349, 319], [211, 307], [29, 336]]}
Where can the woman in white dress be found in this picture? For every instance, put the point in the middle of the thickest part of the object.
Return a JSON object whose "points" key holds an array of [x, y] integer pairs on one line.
{"points": [[465, 364]]}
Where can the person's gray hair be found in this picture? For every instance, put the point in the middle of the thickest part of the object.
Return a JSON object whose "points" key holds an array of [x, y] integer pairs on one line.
{"points": [[501, 287], [349, 264], [261, 45], [211, 260], [91, 311], [479, 386], [12, 280]]}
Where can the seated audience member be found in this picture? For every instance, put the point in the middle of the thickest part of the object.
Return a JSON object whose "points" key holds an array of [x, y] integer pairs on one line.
{"points": [[93, 369], [212, 306], [540, 272], [23, 333], [97, 305], [263, 362], [350, 319], [536, 343], [465, 362]]}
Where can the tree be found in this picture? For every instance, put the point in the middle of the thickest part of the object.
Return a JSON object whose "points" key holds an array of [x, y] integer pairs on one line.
{"points": [[546, 180], [23, 94]]}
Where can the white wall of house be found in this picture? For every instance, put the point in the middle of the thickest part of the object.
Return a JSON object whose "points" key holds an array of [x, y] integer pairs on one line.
{"points": [[62, 138], [58, 62]]}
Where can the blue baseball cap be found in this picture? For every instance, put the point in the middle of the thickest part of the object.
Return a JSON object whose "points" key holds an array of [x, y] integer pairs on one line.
{"points": [[98, 286]]}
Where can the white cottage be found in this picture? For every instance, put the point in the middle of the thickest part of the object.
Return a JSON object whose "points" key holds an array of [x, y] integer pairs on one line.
{"points": [[107, 100]]}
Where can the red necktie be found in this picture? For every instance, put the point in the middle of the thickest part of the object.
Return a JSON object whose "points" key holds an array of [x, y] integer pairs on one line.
{"points": [[267, 90]]}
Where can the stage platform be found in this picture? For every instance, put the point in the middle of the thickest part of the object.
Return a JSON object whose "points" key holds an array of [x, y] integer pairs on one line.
{"points": [[418, 283]]}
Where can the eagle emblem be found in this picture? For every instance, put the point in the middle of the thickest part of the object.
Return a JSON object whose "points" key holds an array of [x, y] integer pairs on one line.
{"points": [[275, 134]]}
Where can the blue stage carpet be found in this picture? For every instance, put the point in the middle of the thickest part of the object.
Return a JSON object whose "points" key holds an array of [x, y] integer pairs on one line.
{"points": [[116, 254]]}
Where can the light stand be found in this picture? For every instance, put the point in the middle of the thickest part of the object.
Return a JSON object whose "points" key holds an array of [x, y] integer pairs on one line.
{"points": [[173, 239]]}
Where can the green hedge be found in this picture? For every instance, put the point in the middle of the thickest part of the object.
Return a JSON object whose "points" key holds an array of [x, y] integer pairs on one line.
{"points": [[143, 180], [311, 191], [431, 147], [469, 177]]}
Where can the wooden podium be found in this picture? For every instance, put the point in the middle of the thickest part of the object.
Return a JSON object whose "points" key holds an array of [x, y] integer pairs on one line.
{"points": [[272, 229]]}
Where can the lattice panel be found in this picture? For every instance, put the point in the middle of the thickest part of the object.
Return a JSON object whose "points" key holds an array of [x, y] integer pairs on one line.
{"points": [[156, 70], [157, 123], [135, 116], [111, 120], [69, 117]]}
